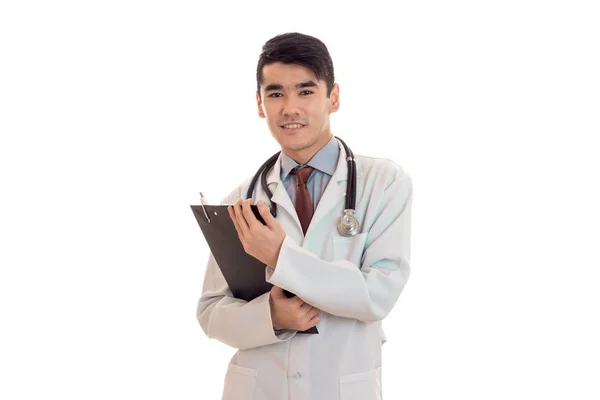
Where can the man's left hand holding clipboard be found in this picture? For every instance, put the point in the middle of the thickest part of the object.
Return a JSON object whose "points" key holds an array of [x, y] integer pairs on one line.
{"points": [[260, 238]]}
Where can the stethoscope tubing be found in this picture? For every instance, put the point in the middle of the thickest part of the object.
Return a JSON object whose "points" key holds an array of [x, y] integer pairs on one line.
{"points": [[350, 186]]}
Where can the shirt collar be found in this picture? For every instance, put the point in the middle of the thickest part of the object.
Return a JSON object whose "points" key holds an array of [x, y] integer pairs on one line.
{"points": [[325, 160]]}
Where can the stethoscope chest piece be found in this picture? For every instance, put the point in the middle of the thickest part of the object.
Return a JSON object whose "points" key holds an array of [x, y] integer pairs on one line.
{"points": [[348, 225]]}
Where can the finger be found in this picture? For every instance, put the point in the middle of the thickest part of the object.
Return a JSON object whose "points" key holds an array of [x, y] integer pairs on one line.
{"points": [[239, 216], [314, 321], [298, 301], [277, 292], [265, 212], [310, 312], [235, 223], [313, 311], [249, 214]]}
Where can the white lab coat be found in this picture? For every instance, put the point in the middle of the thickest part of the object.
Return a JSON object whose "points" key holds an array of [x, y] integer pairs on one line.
{"points": [[355, 281]]}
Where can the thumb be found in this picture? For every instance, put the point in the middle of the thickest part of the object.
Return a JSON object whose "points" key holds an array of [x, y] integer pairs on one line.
{"points": [[265, 212], [277, 292]]}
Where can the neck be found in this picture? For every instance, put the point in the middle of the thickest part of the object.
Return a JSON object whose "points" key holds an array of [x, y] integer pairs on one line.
{"points": [[305, 155]]}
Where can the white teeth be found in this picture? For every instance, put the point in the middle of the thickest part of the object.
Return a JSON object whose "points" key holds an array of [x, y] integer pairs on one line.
{"points": [[293, 126]]}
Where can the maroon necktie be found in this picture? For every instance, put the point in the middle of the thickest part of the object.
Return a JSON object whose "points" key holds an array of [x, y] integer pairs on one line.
{"points": [[304, 206]]}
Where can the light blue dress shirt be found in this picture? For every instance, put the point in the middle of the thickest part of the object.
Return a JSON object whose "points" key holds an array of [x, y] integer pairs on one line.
{"points": [[324, 164]]}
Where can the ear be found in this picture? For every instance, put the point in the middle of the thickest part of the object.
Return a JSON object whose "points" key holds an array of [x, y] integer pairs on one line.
{"points": [[261, 113], [334, 98]]}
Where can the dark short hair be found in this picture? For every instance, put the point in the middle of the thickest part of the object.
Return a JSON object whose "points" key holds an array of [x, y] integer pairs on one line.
{"points": [[300, 49]]}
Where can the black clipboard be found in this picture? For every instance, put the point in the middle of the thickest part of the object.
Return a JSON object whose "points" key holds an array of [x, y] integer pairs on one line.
{"points": [[245, 275]]}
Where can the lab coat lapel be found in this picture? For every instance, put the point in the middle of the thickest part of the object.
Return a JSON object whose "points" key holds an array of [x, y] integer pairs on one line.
{"points": [[280, 194], [334, 192]]}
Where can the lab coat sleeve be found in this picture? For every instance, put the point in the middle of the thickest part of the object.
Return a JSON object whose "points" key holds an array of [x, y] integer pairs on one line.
{"points": [[367, 292], [235, 322]]}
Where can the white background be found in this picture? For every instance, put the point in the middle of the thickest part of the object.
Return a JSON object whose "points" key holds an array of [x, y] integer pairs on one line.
{"points": [[115, 114]]}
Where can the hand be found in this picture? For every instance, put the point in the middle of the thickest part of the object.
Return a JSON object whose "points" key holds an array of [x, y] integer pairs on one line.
{"points": [[262, 242], [291, 313]]}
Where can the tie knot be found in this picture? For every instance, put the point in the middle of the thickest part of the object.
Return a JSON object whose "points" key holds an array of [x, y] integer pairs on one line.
{"points": [[302, 174]]}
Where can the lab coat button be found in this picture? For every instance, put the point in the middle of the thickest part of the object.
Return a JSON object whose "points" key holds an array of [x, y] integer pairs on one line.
{"points": [[297, 375]]}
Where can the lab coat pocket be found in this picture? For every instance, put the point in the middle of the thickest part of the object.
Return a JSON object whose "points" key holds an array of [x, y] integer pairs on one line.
{"points": [[363, 386], [240, 383], [349, 248]]}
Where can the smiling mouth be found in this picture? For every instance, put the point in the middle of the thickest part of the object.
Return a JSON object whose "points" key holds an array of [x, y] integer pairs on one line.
{"points": [[292, 126]]}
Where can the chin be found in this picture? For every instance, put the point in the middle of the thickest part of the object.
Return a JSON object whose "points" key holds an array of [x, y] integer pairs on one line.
{"points": [[295, 142]]}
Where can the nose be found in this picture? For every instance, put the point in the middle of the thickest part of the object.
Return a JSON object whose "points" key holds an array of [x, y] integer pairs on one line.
{"points": [[290, 107]]}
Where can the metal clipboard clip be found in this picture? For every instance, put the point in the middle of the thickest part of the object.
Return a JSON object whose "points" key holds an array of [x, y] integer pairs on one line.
{"points": [[202, 204]]}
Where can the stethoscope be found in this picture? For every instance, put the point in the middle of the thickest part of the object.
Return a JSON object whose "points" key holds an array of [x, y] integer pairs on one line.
{"points": [[348, 224]]}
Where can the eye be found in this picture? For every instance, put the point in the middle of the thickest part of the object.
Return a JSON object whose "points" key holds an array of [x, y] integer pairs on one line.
{"points": [[306, 92], [275, 95]]}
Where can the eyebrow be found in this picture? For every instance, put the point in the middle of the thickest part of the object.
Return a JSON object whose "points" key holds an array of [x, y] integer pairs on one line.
{"points": [[300, 85]]}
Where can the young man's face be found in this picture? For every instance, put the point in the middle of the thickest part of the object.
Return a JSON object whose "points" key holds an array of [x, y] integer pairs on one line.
{"points": [[291, 94]]}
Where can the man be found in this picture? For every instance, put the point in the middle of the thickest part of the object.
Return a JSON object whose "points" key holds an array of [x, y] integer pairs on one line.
{"points": [[343, 285]]}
